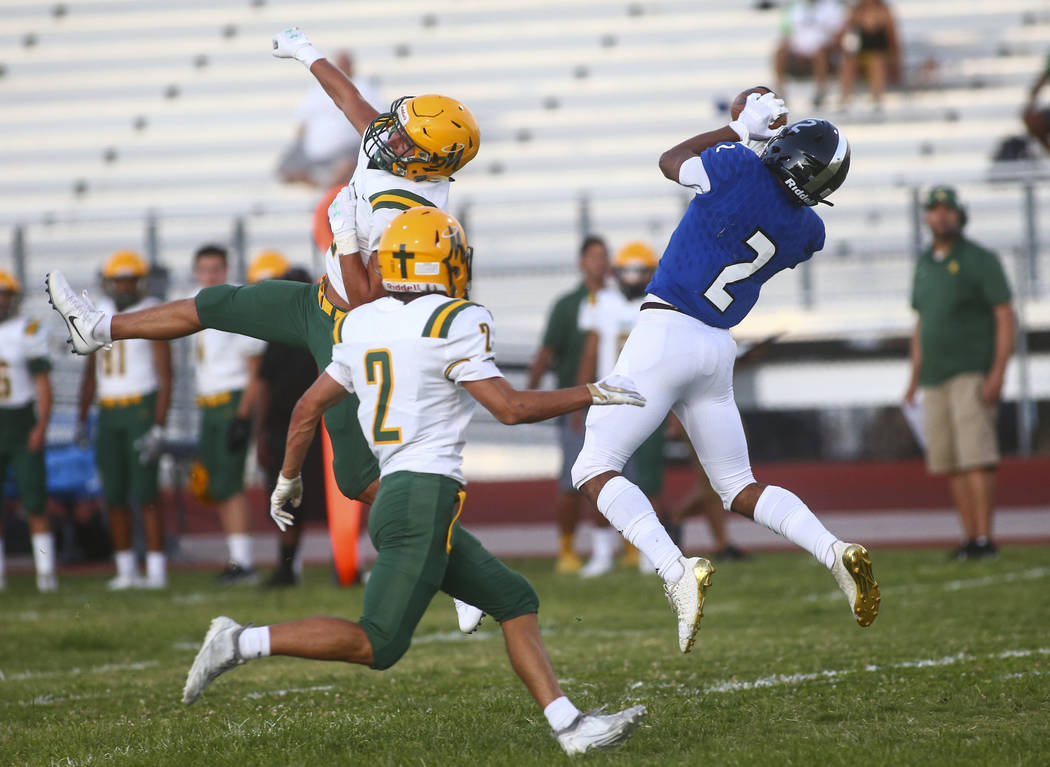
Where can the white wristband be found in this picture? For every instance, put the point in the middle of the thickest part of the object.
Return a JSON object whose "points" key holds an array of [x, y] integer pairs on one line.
{"points": [[346, 244], [308, 55], [741, 130]]}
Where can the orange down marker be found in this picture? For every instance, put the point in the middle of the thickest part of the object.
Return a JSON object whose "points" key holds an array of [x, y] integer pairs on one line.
{"points": [[344, 518]]}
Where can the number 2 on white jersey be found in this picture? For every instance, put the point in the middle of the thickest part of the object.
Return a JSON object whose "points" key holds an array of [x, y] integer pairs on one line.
{"points": [[764, 250], [379, 371]]}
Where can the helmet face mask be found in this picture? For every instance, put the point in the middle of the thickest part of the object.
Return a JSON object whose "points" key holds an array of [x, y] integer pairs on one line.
{"points": [[422, 137], [811, 158], [634, 266], [424, 250]]}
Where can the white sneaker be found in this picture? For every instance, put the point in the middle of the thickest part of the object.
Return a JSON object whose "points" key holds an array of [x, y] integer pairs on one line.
{"points": [[470, 617], [125, 582], [687, 598], [46, 583], [852, 570], [80, 315], [595, 567], [217, 655], [594, 730]]}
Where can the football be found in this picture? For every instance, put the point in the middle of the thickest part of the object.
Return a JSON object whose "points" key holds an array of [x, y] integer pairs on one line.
{"points": [[741, 100]]}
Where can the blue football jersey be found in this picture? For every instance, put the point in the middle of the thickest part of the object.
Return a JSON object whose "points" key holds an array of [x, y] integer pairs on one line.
{"points": [[733, 238]]}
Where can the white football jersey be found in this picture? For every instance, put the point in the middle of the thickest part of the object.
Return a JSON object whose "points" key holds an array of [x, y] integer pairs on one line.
{"points": [[363, 209], [220, 360], [125, 368], [609, 314], [404, 361], [21, 340]]}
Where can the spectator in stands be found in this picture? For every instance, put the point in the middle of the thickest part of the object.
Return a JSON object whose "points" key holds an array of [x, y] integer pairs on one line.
{"points": [[870, 40], [225, 365], [959, 351], [25, 409], [133, 383], [561, 349], [1038, 120], [285, 374], [324, 152], [810, 33]]}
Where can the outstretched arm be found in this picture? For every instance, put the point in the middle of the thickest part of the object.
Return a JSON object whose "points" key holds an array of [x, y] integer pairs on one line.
{"points": [[293, 43], [511, 406], [324, 393]]}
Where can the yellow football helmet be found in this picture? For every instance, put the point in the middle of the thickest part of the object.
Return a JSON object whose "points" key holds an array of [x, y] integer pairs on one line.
{"points": [[634, 266], [423, 137], [268, 265], [125, 263], [9, 283], [424, 250], [123, 278], [10, 294]]}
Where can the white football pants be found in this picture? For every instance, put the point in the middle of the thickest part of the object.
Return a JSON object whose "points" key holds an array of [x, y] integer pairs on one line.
{"points": [[682, 365]]}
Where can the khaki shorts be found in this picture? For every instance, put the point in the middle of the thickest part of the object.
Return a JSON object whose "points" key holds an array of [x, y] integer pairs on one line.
{"points": [[960, 428]]}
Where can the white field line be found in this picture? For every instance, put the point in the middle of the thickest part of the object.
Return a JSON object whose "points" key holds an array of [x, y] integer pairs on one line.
{"points": [[1031, 574], [289, 691], [77, 670], [779, 680]]}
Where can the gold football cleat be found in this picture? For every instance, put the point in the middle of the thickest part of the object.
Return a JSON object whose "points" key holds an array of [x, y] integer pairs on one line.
{"points": [[568, 564], [852, 570]]}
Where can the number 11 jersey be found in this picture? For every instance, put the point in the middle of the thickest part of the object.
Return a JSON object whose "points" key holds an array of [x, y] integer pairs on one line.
{"points": [[742, 227]]}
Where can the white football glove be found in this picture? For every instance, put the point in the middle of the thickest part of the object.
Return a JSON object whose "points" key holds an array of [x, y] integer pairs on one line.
{"points": [[292, 43], [342, 217], [615, 390], [761, 110], [149, 444], [287, 491]]}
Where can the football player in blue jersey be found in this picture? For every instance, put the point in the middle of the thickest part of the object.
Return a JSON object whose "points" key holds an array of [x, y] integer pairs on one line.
{"points": [[752, 216]]}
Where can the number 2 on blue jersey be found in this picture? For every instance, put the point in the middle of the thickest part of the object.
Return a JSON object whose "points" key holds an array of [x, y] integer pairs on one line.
{"points": [[764, 250]]}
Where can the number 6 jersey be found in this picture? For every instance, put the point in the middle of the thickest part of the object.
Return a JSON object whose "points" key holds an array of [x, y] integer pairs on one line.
{"points": [[404, 362], [742, 227]]}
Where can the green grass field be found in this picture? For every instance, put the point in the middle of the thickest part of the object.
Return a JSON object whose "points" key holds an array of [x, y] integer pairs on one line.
{"points": [[955, 670]]}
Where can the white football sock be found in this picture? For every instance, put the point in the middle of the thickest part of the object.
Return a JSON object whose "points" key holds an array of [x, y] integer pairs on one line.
{"points": [[254, 642], [125, 563], [103, 330], [156, 567], [784, 513], [603, 544], [240, 545], [629, 511], [560, 713], [44, 553]]}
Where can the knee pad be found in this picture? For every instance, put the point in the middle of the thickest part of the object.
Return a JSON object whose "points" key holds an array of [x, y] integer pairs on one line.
{"points": [[387, 647], [593, 461]]}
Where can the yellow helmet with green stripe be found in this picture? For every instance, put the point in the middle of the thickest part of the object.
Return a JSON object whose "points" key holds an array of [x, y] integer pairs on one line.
{"points": [[423, 137], [424, 250]]}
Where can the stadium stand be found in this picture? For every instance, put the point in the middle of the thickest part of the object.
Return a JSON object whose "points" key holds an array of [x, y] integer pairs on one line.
{"points": [[116, 111]]}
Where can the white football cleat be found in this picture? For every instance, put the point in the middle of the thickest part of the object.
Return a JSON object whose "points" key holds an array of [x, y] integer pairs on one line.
{"points": [[80, 315], [596, 568], [469, 616], [594, 730], [46, 583], [687, 598], [125, 582], [217, 655], [852, 570]]}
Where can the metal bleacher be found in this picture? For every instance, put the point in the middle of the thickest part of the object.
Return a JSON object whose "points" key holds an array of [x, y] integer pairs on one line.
{"points": [[115, 110]]}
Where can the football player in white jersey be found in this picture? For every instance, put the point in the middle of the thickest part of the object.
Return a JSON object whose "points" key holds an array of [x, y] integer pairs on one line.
{"points": [[25, 409], [608, 319], [132, 380], [418, 359], [411, 152], [225, 365]]}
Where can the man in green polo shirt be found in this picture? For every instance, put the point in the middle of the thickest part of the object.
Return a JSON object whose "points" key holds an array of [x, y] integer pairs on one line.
{"points": [[959, 350], [561, 350]]}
